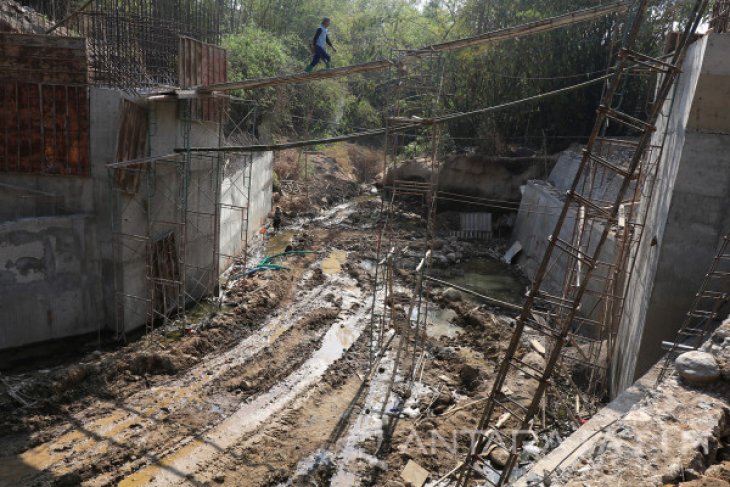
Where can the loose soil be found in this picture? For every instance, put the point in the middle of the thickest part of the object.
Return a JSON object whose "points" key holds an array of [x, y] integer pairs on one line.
{"points": [[267, 390]]}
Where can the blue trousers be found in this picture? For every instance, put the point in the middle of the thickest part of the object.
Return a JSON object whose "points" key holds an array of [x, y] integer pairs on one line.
{"points": [[319, 55]]}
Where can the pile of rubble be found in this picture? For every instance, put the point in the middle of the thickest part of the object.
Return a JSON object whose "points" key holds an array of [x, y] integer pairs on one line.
{"points": [[677, 434]]}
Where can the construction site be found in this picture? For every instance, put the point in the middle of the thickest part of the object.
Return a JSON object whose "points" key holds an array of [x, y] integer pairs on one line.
{"points": [[194, 296]]}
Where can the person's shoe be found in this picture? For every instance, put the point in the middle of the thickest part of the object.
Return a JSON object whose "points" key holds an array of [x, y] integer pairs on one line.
{"points": [[308, 69], [328, 66]]}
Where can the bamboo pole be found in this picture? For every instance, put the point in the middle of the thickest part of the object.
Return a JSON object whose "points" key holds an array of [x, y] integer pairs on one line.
{"points": [[536, 27], [380, 131]]}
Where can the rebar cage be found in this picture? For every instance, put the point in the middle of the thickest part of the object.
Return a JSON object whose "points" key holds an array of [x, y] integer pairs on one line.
{"points": [[132, 44]]}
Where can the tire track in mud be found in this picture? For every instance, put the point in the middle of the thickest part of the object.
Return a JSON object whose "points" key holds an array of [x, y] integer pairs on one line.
{"points": [[304, 428], [287, 353], [181, 466], [249, 379], [129, 434]]}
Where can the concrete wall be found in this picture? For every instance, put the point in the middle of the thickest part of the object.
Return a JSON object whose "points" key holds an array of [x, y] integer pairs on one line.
{"points": [[73, 294], [50, 277], [235, 194], [261, 186], [536, 219], [105, 111], [76, 288], [687, 214], [19, 202]]}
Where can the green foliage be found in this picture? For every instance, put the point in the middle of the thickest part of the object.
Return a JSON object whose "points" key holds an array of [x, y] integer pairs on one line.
{"points": [[272, 37], [359, 114], [257, 53], [276, 181]]}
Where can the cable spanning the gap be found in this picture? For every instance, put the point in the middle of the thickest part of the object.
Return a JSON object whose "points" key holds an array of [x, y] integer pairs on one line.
{"points": [[399, 128]]}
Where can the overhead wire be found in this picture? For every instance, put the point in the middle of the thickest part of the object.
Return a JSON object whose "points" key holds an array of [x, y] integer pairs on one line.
{"points": [[398, 128]]}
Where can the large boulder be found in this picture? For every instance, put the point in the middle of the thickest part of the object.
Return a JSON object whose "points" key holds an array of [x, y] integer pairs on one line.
{"points": [[697, 367]]}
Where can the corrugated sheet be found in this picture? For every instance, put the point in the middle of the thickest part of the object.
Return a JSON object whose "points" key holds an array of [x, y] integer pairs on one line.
{"points": [[44, 107], [475, 226], [202, 64]]}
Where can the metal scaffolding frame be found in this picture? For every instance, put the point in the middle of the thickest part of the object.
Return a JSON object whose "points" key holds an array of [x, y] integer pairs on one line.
{"points": [[575, 261], [704, 314], [166, 218], [416, 93]]}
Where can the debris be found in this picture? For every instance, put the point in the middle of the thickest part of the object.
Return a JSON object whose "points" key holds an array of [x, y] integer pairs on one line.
{"points": [[451, 295], [532, 450], [514, 249], [697, 367], [442, 402], [414, 474], [537, 346], [468, 375], [499, 457]]}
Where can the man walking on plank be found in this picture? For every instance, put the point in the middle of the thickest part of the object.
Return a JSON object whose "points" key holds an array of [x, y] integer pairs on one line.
{"points": [[318, 46]]}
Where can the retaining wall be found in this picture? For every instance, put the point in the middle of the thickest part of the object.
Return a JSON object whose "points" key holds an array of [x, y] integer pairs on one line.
{"points": [[80, 298], [51, 280], [688, 213]]}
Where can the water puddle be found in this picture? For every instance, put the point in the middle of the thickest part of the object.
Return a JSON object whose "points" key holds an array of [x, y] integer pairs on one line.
{"points": [[438, 321], [173, 468], [368, 265], [487, 276], [278, 242], [332, 264]]}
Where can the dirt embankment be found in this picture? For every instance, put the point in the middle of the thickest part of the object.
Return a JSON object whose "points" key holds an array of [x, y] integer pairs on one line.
{"points": [[497, 179], [269, 389]]}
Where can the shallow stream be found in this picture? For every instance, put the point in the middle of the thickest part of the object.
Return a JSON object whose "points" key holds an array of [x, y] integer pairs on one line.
{"points": [[486, 276]]}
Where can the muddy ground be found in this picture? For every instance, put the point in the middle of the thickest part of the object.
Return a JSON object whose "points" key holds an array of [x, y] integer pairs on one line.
{"points": [[275, 387]]}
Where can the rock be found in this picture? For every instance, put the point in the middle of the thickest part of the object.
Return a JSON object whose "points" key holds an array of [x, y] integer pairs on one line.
{"points": [[451, 295], [534, 360], [537, 346], [532, 450], [442, 402], [706, 482], [718, 471], [720, 335], [697, 368], [68, 480], [451, 257], [220, 478], [468, 375], [499, 457], [414, 475]]}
